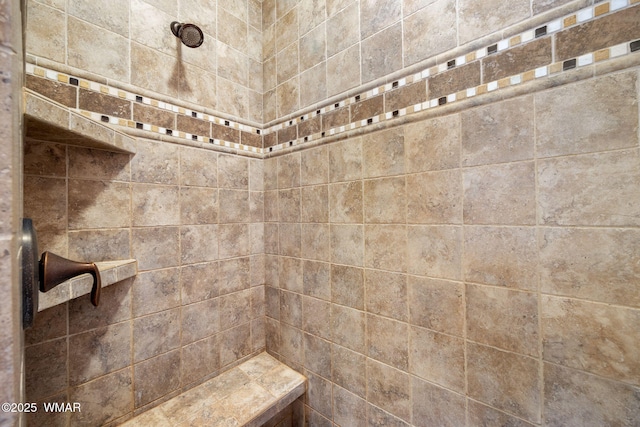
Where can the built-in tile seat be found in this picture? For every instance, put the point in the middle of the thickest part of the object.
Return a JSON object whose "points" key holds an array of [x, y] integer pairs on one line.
{"points": [[247, 395]]}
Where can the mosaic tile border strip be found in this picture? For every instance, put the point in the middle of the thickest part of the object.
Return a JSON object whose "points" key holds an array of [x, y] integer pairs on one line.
{"points": [[575, 19], [288, 129], [64, 78]]}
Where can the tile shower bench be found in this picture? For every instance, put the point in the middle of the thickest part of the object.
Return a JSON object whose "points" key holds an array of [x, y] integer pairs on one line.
{"points": [[248, 395]]}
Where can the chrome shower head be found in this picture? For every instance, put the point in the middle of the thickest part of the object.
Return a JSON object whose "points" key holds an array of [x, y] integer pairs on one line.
{"points": [[189, 34]]}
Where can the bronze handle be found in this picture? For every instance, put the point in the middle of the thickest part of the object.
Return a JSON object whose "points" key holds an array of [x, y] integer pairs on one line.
{"points": [[55, 269]]}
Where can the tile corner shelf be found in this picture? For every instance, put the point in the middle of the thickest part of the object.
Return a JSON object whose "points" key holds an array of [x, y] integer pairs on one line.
{"points": [[110, 272], [50, 121]]}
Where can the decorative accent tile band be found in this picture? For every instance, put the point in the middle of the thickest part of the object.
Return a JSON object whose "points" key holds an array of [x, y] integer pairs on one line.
{"points": [[117, 107], [594, 34], [607, 30]]}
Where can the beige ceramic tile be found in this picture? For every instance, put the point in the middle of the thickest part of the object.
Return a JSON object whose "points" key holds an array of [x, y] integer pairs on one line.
{"points": [[349, 370], [156, 377], [99, 352], [348, 327], [501, 256], [595, 115], [480, 414], [96, 245], [315, 204], [347, 286], [385, 200], [98, 204], [593, 337], [579, 263], [288, 97], [158, 163], [100, 407], [317, 279], [313, 46], [317, 355], [319, 395], [155, 291], [437, 358], [198, 86], [290, 239], [315, 242], [388, 341], [288, 170], [574, 396], [235, 343], [343, 70], [233, 240], [389, 389], [345, 202], [314, 167], [433, 144], [199, 205], [345, 160], [503, 318], [436, 304], [156, 334], [199, 282], [503, 194], [381, 53], [313, 85], [385, 247], [47, 37], [45, 158], [316, 315], [347, 244], [291, 274], [435, 251], [287, 63], [114, 18], [578, 190], [100, 51], [291, 308], [98, 164], [232, 311], [234, 206], [155, 247], [233, 172], [46, 360], [433, 405], [383, 153], [434, 198], [233, 275], [292, 346], [386, 294], [289, 205], [479, 18], [506, 381], [154, 205], [485, 138], [439, 18], [348, 408]]}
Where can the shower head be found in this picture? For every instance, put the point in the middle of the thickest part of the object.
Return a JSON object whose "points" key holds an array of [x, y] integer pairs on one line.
{"points": [[189, 34]]}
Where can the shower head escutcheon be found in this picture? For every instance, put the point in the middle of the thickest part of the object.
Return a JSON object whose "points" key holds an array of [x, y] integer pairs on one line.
{"points": [[189, 34]]}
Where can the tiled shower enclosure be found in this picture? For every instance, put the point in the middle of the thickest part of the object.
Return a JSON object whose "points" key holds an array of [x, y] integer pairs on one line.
{"points": [[428, 208]]}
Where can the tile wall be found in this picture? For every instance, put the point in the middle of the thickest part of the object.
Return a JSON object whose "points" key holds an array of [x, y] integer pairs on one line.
{"points": [[317, 50], [193, 220], [479, 268], [471, 266], [11, 82], [129, 43]]}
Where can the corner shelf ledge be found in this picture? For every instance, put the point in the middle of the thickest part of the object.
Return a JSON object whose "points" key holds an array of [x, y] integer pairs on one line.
{"points": [[49, 121], [110, 272]]}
